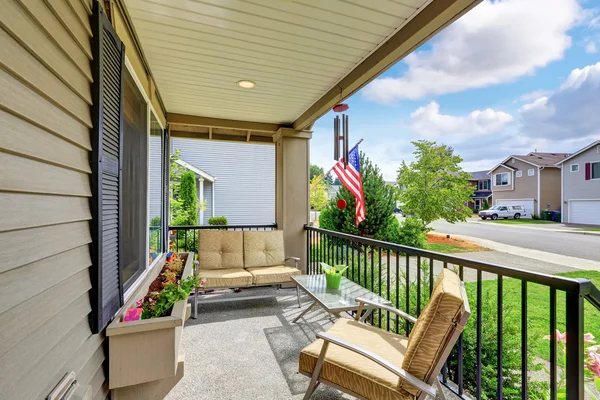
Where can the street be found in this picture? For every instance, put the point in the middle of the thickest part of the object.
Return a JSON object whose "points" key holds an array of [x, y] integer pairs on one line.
{"points": [[568, 244]]}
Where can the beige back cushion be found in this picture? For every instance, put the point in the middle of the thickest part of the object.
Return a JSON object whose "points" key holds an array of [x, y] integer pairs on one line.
{"points": [[263, 249], [434, 328], [220, 249]]}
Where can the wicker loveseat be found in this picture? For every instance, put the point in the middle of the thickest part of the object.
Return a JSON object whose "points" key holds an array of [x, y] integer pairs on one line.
{"points": [[234, 259]]}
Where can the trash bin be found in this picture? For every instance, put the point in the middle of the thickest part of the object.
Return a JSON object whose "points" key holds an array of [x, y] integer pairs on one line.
{"points": [[556, 216], [545, 215]]}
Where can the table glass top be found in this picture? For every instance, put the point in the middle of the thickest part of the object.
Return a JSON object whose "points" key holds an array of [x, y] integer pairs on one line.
{"points": [[343, 298]]}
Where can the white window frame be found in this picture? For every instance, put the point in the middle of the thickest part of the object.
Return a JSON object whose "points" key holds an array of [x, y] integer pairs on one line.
{"points": [[574, 165], [507, 179], [531, 172], [519, 174], [149, 110], [592, 171]]}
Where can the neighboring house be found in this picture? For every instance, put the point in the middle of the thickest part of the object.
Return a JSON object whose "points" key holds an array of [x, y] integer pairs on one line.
{"points": [[245, 188], [205, 184], [333, 190], [483, 190], [581, 186], [531, 180]]}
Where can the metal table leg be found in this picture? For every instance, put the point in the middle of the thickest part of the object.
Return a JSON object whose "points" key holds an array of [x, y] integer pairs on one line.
{"points": [[305, 311]]}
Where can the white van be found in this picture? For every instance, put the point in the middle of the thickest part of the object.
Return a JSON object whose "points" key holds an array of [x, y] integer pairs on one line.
{"points": [[505, 212]]}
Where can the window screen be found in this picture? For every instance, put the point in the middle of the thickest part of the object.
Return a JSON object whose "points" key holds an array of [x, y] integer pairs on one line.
{"points": [[135, 169]]}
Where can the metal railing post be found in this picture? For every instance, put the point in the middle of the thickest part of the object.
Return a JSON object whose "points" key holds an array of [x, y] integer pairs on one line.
{"points": [[575, 356]]}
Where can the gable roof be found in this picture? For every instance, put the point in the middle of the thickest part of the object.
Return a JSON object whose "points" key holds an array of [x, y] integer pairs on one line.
{"points": [[195, 170], [536, 159], [586, 148], [479, 175]]}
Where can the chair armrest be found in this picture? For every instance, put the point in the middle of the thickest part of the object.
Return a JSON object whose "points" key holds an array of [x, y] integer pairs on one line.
{"points": [[296, 260], [399, 313], [402, 374]]}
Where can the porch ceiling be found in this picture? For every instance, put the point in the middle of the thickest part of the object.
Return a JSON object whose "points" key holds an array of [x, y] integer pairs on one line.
{"points": [[303, 55]]}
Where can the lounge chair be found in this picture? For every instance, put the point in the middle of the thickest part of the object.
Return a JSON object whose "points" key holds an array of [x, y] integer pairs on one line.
{"points": [[372, 364]]}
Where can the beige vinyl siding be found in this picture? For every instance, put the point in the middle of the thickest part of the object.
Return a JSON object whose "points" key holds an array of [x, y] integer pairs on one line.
{"points": [[550, 188], [45, 75]]}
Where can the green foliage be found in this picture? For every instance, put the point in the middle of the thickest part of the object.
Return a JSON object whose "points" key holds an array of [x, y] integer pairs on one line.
{"points": [[161, 303], [183, 204], [217, 220], [535, 217], [155, 221], [486, 205], [412, 233], [435, 186], [315, 170], [318, 193], [379, 200]]}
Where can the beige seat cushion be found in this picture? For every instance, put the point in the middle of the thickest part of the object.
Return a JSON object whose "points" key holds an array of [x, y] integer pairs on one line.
{"points": [[434, 328], [220, 249], [353, 371], [226, 278], [270, 275], [263, 249]]}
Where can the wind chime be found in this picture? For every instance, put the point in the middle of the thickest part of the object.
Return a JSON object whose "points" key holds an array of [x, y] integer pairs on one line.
{"points": [[341, 139]]}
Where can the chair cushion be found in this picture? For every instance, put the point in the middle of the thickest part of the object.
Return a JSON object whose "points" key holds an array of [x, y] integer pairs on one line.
{"points": [[270, 275], [220, 249], [226, 278], [353, 371], [434, 328], [263, 249]]}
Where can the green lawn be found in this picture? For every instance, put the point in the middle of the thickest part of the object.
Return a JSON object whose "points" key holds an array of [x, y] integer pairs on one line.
{"points": [[592, 229], [538, 308], [521, 221], [450, 249]]}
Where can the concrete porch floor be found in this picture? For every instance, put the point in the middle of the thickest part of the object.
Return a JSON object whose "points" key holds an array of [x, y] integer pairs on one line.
{"points": [[249, 349]]}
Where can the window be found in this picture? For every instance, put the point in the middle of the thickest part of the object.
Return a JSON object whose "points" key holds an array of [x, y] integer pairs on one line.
{"points": [[519, 174], [530, 172], [501, 179], [484, 185], [135, 182], [155, 242], [574, 167], [595, 170]]}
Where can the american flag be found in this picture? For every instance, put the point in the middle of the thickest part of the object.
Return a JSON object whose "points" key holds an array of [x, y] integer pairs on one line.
{"points": [[350, 178]]}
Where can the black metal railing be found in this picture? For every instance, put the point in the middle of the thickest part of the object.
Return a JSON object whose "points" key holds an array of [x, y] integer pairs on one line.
{"points": [[405, 276], [185, 238]]}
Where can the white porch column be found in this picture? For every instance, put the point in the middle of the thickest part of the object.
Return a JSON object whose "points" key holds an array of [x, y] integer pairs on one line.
{"points": [[201, 195], [292, 189]]}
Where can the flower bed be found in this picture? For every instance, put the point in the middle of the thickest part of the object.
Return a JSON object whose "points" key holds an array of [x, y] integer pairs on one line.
{"points": [[147, 349]]}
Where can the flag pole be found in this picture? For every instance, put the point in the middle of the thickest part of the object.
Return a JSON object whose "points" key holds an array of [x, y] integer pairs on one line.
{"points": [[331, 169]]}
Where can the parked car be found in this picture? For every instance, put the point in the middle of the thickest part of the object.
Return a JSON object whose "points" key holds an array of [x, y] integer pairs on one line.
{"points": [[505, 212]]}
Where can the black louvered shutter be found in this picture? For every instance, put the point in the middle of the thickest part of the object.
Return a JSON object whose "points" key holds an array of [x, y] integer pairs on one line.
{"points": [[107, 142], [166, 188]]}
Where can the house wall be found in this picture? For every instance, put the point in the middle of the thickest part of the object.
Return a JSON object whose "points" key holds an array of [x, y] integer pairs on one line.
{"points": [[245, 177], [45, 76], [574, 184], [550, 189], [155, 182], [208, 188], [524, 187]]}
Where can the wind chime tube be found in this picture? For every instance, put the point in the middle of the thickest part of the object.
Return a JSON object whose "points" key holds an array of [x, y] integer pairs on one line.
{"points": [[346, 140], [336, 147]]}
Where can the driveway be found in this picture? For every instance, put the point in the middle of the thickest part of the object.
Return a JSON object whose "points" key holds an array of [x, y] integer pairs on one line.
{"points": [[567, 244]]}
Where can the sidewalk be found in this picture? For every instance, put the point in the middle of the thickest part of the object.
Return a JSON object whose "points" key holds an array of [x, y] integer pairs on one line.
{"points": [[552, 228], [551, 260]]}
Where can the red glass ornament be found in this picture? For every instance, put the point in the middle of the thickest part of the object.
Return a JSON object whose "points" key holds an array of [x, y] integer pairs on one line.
{"points": [[341, 204]]}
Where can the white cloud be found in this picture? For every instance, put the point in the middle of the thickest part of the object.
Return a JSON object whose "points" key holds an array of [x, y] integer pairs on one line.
{"points": [[428, 121], [590, 48], [536, 94], [494, 43], [569, 113]]}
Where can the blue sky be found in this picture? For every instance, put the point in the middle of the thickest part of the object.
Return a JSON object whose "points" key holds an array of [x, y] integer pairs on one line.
{"points": [[509, 77]]}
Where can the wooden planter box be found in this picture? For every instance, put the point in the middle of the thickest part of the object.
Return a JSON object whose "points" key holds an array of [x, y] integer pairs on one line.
{"points": [[147, 350]]}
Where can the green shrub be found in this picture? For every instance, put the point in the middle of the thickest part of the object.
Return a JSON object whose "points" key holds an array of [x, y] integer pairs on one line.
{"points": [[155, 221], [412, 233], [535, 216], [218, 220], [486, 205]]}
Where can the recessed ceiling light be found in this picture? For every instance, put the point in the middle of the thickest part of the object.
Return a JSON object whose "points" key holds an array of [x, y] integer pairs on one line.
{"points": [[246, 84]]}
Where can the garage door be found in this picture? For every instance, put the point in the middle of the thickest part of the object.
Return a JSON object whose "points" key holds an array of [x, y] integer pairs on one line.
{"points": [[584, 212], [527, 203]]}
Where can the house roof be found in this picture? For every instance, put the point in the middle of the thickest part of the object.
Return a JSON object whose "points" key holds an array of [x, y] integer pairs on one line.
{"points": [[534, 158], [481, 194], [479, 175], [586, 148], [197, 171]]}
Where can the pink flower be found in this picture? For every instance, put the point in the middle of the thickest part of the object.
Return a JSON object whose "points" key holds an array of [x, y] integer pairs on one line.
{"points": [[593, 362], [588, 338], [139, 303], [559, 336], [203, 282]]}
